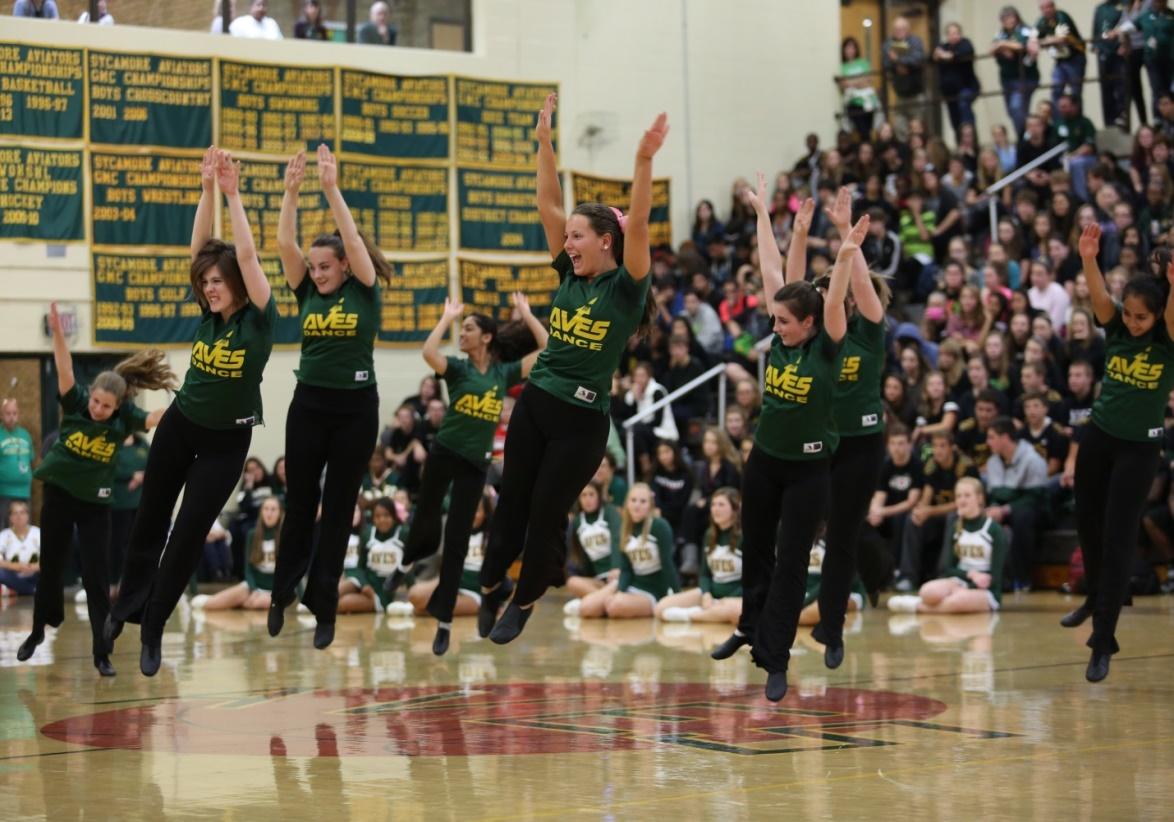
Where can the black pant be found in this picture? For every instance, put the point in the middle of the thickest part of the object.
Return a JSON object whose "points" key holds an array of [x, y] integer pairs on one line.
{"points": [[1113, 477], [921, 547], [1161, 74], [122, 520], [442, 469], [1134, 69], [856, 469], [1024, 523], [335, 430], [1114, 87], [205, 464], [552, 450], [60, 512], [795, 492]]}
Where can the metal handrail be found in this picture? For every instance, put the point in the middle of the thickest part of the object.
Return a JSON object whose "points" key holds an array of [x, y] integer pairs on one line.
{"points": [[1003, 182], [650, 411]]}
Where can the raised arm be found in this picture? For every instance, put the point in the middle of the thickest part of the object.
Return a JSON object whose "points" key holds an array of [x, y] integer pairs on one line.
{"points": [[770, 261], [867, 300], [1170, 301], [550, 192], [61, 356], [835, 321], [293, 262], [541, 335], [1089, 246], [202, 225], [362, 266], [800, 231], [637, 255], [228, 175], [431, 351]]}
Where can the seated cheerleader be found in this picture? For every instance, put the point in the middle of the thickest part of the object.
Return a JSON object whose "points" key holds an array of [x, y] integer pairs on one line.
{"points": [[972, 562], [469, 590], [810, 613], [380, 551], [647, 572], [595, 531], [262, 545], [20, 552], [719, 599]]}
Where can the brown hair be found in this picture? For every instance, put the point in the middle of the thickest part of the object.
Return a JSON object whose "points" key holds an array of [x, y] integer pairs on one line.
{"points": [[604, 221], [735, 500], [222, 256], [383, 269], [147, 369], [256, 550]]}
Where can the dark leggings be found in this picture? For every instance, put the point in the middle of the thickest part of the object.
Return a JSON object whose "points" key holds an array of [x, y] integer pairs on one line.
{"points": [[552, 450], [204, 463], [856, 469], [795, 492], [60, 512], [1113, 477], [333, 429], [442, 469]]}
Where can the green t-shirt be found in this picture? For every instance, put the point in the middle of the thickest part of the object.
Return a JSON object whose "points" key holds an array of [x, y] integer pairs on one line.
{"points": [[591, 321], [978, 544], [259, 574], [1139, 373], [798, 397], [1077, 131], [1014, 67], [475, 401], [81, 462], [222, 388], [647, 564], [16, 461], [338, 334], [863, 97], [858, 409], [1158, 30], [599, 537], [1104, 19], [721, 572], [128, 460], [1073, 45]]}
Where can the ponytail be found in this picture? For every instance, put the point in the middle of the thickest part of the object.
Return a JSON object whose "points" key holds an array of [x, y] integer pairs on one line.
{"points": [[148, 369]]}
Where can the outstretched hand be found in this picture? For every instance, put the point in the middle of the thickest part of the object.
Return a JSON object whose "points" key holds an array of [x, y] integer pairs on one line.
{"points": [[757, 199], [295, 172], [857, 234], [1089, 244], [804, 216], [327, 168], [228, 173], [54, 319], [841, 210], [545, 118], [522, 303], [452, 309], [208, 168], [653, 139], [1170, 273]]}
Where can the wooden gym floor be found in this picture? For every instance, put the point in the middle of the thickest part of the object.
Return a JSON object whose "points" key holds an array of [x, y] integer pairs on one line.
{"points": [[974, 717]]}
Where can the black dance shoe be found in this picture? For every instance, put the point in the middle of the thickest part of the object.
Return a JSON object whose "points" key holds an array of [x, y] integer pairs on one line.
{"points": [[776, 686], [487, 612], [440, 641], [102, 663], [323, 635], [34, 639], [276, 620], [150, 658], [730, 647], [111, 630], [1077, 617], [1098, 667], [833, 656], [511, 624]]}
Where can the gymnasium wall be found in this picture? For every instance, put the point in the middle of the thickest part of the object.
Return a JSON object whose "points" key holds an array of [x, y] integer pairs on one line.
{"points": [[742, 84]]}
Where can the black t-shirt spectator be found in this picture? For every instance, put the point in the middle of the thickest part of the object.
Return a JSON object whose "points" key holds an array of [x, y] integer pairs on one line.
{"points": [[957, 74], [971, 440], [941, 481], [1076, 414], [672, 490], [696, 402], [1050, 443], [1055, 402], [898, 480]]}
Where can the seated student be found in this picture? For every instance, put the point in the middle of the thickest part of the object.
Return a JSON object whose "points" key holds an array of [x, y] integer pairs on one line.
{"points": [[354, 576], [469, 590], [719, 598], [973, 553], [647, 572], [1017, 478], [810, 613], [1033, 379], [381, 548], [927, 520], [971, 436], [595, 535], [1042, 432], [897, 493], [377, 483], [1081, 396], [615, 487], [20, 551], [261, 547]]}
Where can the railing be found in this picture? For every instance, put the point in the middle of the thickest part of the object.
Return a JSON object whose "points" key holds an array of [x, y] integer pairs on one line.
{"points": [[652, 410], [1002, 183]]}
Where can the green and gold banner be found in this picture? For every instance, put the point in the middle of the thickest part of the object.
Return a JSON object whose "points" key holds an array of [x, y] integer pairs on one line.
{"points": [[386, 115], [488, 287], [402, 207], [42, 93], [144, 199], [41, 194], [617, 193], [150, 100], [414, 302], [495, 122], [275, 109], [497, 211]]}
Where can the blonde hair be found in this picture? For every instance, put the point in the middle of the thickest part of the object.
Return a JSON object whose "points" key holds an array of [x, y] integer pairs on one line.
{"points": [[626, 522], [974, 485]]}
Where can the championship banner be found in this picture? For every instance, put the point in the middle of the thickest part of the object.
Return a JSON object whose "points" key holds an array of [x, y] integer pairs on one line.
{"points": [[618, 193], [41, 194], [414, 302], [385, 115], [262, 188], [144, 299], [401, 207], [149, 100], [275, 109], [497, 211], [495, 122], [42, 91], [144, 199], [488, 288]]}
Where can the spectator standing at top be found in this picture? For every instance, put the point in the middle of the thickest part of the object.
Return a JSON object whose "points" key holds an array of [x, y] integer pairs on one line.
{"points": [[311, 26], [1081, 136], [861, 102], [105, 18], [904, 62], [1112, 49], [16, 458], [377, 31], [218, 24], [1057, 32], [1134, 44], [257, 24], [1016, 54], [957, 81], [46, 9], [1157, 31]]}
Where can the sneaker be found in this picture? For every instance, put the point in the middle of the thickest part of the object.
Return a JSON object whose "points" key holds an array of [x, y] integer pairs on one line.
{"points": [[904, 604], [302, 609], [572, 607], [401, 609], [676, 614], [199, 600], [81, 598], [904, 585]]}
